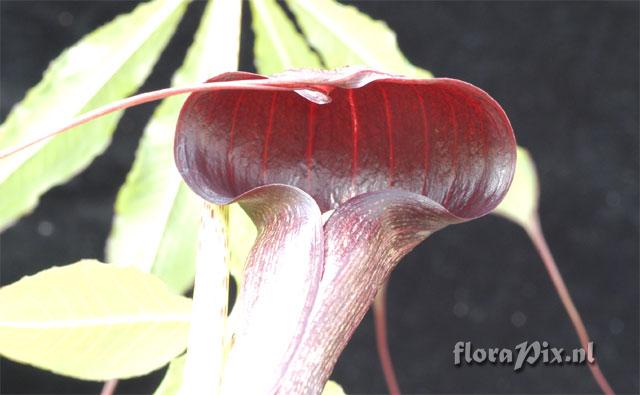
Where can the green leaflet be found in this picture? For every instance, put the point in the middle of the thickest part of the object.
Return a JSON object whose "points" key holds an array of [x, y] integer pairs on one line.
{"points": [[241, 234], [170, 384], [108, 64], [92, 321], [156, 215], [345, 36], [278, 46], [332, 388], [520, 205]]}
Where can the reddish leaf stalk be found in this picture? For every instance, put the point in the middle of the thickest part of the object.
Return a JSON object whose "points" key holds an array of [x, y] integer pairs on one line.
{"points": [[534, 230], [136, 100], [109, 387], [380, 320]]}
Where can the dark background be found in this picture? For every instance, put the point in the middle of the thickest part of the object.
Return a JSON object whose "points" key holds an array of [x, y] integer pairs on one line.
{"points": [[566, 74]]}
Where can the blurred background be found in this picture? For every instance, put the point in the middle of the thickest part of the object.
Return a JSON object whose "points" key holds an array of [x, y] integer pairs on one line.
{"points": [[567, 75]]}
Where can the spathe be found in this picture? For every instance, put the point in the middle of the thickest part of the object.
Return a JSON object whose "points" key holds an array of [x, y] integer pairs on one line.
{"points": [[396, 158]]}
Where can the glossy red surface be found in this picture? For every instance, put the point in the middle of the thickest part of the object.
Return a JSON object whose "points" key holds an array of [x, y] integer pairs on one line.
{"points": [[442, 138]]}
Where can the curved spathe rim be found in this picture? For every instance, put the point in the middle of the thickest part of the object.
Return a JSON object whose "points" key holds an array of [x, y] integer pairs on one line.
{"points": [[206, 176]]}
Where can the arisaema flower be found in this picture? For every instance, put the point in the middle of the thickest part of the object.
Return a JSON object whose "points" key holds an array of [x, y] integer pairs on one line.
{"points": [[388, 159]]}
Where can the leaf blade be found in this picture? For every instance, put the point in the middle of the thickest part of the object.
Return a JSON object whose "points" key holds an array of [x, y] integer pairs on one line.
{"points": [[108, 64], [345, 36], [60, 320], [278, 46], [333, 388], [170, 384], [520, 204]]}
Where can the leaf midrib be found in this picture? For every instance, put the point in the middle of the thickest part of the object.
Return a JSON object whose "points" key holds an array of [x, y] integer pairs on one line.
{"points": [[126, 319], [275, 38], [336, 30]]}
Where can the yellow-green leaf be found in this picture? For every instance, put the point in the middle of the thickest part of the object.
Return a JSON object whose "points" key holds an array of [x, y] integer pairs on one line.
{"points": [[278, 46], [242, 234], [109, 63], [156, 214], [521, 202], [170, 384], [333, 388], [92, 321], [345, 36]]}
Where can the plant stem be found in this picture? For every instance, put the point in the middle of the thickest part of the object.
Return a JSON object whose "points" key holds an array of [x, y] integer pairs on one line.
{"points": [[205, 353], [380, 320], [534, 229], [109, 387]]}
